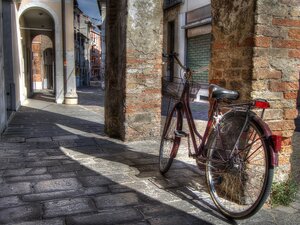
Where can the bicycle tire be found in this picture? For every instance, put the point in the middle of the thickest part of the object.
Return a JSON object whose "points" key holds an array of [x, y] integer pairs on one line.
{"points": [[239, 185], [169, 142]]}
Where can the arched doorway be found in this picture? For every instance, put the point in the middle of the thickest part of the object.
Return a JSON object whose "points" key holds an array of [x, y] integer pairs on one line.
{"points": [[42, 63], [38, 41]]}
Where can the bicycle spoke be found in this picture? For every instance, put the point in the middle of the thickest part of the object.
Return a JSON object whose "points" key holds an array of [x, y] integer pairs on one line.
{"points": [[239, 183], [255, 151]]}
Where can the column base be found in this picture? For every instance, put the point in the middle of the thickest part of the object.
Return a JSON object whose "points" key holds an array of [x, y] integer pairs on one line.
{"points": [[71, 99]]}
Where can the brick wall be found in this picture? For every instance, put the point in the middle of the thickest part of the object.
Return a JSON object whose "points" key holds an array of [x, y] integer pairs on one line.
{"points": [[232, 48], [256, 51], [276, 68], [133, 85], [198, 55]]}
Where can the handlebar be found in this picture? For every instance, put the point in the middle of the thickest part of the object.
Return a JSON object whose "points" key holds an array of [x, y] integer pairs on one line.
{"points": [[175, 56]]}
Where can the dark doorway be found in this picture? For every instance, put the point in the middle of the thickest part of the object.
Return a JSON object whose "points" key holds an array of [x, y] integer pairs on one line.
{"points": [[171, 48]]}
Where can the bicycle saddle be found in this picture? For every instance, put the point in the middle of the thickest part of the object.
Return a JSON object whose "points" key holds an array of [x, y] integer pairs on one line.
{"points": [[220, 93]]}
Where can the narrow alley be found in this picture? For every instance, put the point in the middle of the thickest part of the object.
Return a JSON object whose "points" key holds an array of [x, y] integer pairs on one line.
{"points": [[58, 167]]}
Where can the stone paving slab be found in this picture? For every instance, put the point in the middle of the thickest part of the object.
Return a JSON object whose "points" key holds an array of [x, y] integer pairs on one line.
{"points": [[112, 216], [20, 213], [42, 222], [57, 185], [62, 169], [15, 189], [117, 200], [56, 208], [10, 201]]}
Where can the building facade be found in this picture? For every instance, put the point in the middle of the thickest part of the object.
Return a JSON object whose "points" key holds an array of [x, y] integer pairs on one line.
{"points": [[27, 62], [102, 28], [82, 29], [87, 42], [95, 54]]}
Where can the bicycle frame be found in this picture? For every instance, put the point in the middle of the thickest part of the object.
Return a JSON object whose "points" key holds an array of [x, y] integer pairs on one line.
{"points": [[184, 105], [237, 147], [213, 120]]}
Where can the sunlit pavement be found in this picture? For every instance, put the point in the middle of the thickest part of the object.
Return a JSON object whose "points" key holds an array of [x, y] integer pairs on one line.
{"points": [[58, 167]]}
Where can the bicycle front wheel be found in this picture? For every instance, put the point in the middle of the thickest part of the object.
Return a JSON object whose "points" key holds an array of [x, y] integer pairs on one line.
{"points": [[170, 143], [238, 183]]}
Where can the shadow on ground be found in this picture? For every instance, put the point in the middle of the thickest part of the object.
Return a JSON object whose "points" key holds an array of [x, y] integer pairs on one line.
{"points": [[64, 169]]}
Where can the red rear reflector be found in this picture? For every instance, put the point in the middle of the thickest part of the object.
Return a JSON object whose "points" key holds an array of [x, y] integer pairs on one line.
{"points": [[262, 104], [276, 139]]}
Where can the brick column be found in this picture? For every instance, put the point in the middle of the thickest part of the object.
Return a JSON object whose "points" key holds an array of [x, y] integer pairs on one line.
{"points": [[256, 51], [133, 77], [276, 68], [232, 48]]}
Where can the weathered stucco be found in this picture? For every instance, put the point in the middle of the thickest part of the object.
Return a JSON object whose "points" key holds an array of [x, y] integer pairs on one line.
{"points": [[143, 69]]}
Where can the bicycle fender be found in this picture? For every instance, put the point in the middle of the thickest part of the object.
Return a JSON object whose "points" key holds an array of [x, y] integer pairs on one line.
{"points": [[268, 135]]}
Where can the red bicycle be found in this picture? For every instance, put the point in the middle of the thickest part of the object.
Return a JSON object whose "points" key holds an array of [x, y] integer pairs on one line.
{"points": [[237, 148]]}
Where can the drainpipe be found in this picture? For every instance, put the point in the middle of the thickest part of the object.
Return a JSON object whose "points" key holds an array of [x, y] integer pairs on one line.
{"points": [[63, 7]]}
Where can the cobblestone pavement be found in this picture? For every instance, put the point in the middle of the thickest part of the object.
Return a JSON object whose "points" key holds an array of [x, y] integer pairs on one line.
{"points": [[58, 167]]}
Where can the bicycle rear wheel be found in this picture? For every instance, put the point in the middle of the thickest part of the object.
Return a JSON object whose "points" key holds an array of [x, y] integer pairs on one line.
{"points": [[170, 143], [238, 184]]}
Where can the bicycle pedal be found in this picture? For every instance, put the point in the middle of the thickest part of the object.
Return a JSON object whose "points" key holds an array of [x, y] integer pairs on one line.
{"points": [[180, 133], [192, 155]]}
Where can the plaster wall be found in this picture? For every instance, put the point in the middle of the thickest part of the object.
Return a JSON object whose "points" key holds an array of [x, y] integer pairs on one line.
{"points": [[12, 60]]}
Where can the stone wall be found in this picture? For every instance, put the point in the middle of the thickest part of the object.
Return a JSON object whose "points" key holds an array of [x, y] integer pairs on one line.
{"points": [[276, 68], [133, 75], [256, 51]]}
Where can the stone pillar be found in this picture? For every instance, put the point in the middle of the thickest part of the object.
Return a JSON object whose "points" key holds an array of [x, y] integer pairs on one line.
{"points": [[71, 97], [133, 75], [256, 51]]}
